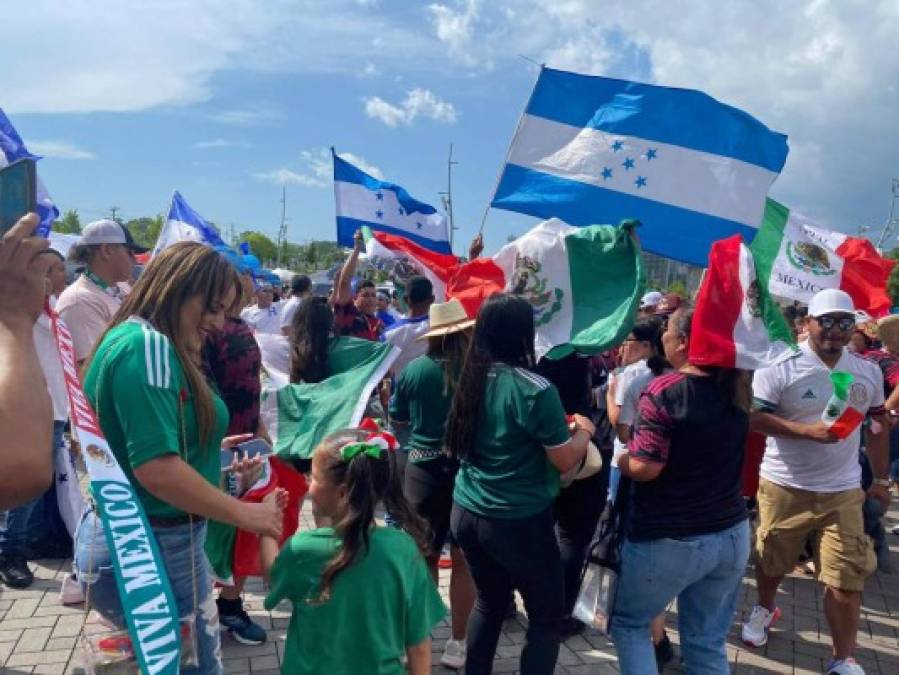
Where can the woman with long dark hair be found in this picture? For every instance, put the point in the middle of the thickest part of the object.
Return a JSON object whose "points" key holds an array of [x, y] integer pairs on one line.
{"points": [[165, 426], [687, 536], [508, 430], [362, 596], [421, 401], [312, 330]]}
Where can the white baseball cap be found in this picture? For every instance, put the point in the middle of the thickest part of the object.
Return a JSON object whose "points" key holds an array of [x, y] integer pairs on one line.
{"points": [[108, 231], [831, 301], [650, 299]]}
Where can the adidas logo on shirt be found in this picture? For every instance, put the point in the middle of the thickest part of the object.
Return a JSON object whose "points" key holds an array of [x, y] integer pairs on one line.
{"points": [[809, 394]]}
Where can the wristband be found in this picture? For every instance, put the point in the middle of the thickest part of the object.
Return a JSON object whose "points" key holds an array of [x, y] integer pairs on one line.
{"points": [[882, 482]]}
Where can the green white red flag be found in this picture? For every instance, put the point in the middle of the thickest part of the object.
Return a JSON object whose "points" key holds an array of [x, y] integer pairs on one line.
{"points": [[840, 415], [584, 283], [736, 323], [796, 258]]}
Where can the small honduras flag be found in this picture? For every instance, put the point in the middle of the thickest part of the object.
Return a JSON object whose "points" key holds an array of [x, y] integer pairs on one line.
{"points": [[592, 149], [185, 224], [797, 258], [364, 201], [13, 149], [736, 323], [839, 415]]}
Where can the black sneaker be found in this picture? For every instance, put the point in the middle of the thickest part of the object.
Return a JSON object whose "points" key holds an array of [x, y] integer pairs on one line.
{"points": [[235, 619], [664, 652], [14, 572]]}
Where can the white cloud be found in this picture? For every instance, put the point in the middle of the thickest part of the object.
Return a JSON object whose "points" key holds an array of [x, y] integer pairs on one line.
{"points": [[59, 150], [455, 28], [247, 117], [317, 170], [418, 103], [220, 143]]}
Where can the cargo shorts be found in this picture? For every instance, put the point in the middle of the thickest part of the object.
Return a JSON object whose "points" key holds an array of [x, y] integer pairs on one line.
{"points": [[788, 517]]}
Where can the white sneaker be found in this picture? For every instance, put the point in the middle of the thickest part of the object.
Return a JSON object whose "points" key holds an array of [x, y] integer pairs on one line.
{"points": [[453, 654], [844, 667], [755, 631], [70, 591]]}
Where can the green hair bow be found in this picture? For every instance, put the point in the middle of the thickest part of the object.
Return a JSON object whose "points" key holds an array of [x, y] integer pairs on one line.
{"points": [[350, 450]]}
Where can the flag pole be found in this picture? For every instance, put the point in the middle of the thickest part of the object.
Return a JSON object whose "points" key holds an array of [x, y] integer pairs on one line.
{"points": [[499, 174]]}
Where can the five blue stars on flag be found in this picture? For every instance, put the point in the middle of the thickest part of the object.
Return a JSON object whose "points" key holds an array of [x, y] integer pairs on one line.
{"points": [[629, 163]]}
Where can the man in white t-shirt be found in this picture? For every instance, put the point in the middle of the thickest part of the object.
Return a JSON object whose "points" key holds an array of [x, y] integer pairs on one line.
{"points": [[810, 479], [88, 305], [300, 287], [265, 315]]}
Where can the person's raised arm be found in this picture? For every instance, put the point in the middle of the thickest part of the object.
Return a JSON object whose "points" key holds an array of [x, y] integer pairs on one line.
{"points": [[476, 247], [26, 414], [344, 292]]}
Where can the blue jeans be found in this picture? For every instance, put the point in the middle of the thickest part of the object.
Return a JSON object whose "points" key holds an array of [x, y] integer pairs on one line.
{"points": [[33, 521], [703, 573], [93, 566]]}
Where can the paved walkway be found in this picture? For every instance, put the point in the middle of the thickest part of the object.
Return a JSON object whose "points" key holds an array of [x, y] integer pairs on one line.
{"points": [[38, 635]]}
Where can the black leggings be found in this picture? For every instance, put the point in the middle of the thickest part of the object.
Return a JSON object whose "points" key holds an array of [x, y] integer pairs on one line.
{"points": [[578, 508], [504, 555]]}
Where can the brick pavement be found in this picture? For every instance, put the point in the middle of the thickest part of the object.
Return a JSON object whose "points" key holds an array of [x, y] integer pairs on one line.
{"points": [[38, 635]]}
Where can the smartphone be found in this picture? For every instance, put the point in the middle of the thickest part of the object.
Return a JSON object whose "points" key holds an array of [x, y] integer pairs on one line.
{"points": [[247, 449], [18, 192]]}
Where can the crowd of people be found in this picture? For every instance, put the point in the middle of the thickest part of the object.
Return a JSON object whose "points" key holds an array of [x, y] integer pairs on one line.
{"points": [[484, 466]]}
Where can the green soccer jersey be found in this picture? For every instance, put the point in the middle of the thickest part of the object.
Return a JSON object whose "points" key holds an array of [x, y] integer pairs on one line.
{"points": [[382, 603], [134, 383], [420, 399], [507, 473]]}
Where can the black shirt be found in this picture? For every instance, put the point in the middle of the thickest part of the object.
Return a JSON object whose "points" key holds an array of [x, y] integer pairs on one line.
{"points": [[699, 436]]}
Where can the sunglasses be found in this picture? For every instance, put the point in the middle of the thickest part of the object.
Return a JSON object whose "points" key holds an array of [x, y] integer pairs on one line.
{"points": [[845, 324]]}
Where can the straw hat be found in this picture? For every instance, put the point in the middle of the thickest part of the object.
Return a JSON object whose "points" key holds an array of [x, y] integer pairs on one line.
{"points": [[888, 330], [447, 317]]}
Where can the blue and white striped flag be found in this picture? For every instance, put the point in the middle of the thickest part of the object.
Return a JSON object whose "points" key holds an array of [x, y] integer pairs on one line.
{"points": [[14, 149], [185, 224], [596, 150], [364, 201]]}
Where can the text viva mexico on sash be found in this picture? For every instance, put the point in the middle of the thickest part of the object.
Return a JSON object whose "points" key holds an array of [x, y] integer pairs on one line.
{"points": [[147, 600]]}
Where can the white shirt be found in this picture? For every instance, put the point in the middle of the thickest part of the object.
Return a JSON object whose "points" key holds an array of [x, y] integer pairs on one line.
{"points": [[404, 334], [266, 320], [48, 355], [797, 387], [288, 309], [629, 384]]}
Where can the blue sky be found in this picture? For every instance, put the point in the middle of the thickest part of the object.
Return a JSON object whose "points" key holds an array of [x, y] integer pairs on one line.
{"points": [[228, 100]]}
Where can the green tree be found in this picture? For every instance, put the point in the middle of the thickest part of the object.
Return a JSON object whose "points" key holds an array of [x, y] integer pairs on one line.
{"points": [[679, 287], [261, 246], [893, 281], [70, 223], [146, 230]]}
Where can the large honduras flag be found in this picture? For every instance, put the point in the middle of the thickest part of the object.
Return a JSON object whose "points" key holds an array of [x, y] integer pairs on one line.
{"points": [[14, 149], [592, 149], [364, 201], [185, 224]]}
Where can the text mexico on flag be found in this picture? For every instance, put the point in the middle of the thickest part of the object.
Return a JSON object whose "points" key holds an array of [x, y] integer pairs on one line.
{"points": [[592, 149], [796, 258]]}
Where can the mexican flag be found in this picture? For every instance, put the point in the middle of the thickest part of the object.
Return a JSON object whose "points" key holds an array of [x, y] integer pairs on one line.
{"points": [[840, 415], [736, 324], [584, 283], [796, 258], [299, 416]]}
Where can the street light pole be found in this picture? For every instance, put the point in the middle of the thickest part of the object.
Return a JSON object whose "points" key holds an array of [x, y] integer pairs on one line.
{"points": [[891, 221]]}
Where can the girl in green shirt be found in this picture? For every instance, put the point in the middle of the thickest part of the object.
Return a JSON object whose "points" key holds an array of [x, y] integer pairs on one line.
{"points": [[362, 595], [508, 429]]}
